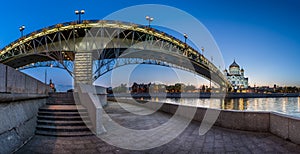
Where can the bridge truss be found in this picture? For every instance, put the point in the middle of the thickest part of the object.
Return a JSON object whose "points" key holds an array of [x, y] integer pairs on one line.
{"points": [[111, 44]]}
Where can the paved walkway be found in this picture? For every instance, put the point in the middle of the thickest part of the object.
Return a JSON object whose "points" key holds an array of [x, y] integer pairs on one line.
{"points": [[217, 140]]}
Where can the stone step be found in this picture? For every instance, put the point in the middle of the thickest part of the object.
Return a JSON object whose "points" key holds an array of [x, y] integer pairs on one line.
{"points": [[54, 103], [64, 134], [62, 128], [54, 113], [63, 108], [63, 118], [64, 123], [63, 101]]}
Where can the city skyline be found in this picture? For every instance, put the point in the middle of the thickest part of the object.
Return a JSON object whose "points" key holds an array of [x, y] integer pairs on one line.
{"points": [[262, 37]]}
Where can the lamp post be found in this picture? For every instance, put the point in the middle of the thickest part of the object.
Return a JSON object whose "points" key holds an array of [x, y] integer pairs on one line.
{"points": [[212, 59], [22, 28], [150, 19], [185, 46], [185, 37], [79, 13], [46, 76], [202, 49]]}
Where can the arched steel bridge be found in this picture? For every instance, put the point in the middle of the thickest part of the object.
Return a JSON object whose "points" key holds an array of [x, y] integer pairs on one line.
{"points": [[98, 46]]}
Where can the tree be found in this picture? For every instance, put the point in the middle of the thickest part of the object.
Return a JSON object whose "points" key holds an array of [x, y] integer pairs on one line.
{"points": [[120, 89], [203, 88], [179, 87]]}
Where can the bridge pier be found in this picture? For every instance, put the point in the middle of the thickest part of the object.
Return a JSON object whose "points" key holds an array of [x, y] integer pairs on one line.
{"points": [[83, 66], [91, 97]]}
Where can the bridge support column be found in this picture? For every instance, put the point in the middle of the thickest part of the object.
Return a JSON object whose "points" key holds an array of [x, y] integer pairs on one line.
{"points": [[83, 66]]}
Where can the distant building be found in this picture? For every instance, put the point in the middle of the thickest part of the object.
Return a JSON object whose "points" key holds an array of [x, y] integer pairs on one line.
{"points": [[236, 76], [140, 88]]}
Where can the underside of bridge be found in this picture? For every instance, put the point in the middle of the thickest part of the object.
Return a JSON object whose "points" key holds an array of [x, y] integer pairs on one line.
{"points": [[92, 48]]}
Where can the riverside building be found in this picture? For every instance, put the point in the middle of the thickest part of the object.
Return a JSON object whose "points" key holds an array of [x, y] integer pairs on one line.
{"points": [[236, 76]]}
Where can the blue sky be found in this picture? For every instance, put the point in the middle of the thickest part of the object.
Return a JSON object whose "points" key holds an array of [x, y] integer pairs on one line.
{"points": [[262, 36]]}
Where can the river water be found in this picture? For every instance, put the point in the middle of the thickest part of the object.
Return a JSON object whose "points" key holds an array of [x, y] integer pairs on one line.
{"points": [[286, 105]]}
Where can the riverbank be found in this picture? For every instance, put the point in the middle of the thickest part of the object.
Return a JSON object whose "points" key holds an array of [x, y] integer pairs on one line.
{"points": [[204, 95], [279, 124], [216, 140]]}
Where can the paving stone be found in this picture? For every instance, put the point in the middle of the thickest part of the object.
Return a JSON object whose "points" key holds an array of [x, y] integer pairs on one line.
{"points": [[182, 152], [219, 150], [207, 150], [75, 146], [106, 148], [216, 140], [195, 151], [85, 151], [230, 148]]}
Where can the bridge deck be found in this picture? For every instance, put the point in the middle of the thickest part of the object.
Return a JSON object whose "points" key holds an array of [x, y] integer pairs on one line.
{"points": [[216, 140]]}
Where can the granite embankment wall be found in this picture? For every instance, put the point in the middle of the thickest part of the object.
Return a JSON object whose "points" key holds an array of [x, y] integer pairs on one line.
{"points": [[20, 98], [284, 126]]}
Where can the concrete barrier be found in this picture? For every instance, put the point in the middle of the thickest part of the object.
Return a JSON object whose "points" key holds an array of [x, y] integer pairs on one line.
{"points": [[87, 96], [244, 120], [102, 95], [20, 98], [15, 81], [279, 125], [18, 123], [2, 78], [284, 126], [294, 128], [12, 81]]}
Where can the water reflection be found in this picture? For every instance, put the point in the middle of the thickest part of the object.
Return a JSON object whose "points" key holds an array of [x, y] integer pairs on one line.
{"points": [[285, 105], [298, 104], [255, 104]]}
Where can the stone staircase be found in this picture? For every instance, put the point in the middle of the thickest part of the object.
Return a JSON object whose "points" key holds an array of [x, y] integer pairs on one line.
{"points": [[61, 117]]}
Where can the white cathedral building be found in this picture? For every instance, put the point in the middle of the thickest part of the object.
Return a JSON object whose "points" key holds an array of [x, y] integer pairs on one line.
{"points": [[236, 76]]}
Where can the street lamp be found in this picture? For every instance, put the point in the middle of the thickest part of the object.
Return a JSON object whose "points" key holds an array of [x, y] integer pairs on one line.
{"points": [[185, 45], [79, 13], [185, 37], [150, 19], [22, 29], [202, 49]]}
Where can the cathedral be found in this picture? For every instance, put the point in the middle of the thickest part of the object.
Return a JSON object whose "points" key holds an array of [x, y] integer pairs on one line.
{"points": [[236, 76]]}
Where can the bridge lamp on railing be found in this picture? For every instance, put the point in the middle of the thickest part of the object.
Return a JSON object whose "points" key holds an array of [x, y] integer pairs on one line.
{"points": [[185, 37], [202, 49], [150, 19], [79, 13], [22, 28], [185, 45]]}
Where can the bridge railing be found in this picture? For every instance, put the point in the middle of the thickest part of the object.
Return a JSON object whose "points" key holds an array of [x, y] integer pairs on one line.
{"points": [[190, 52]]}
